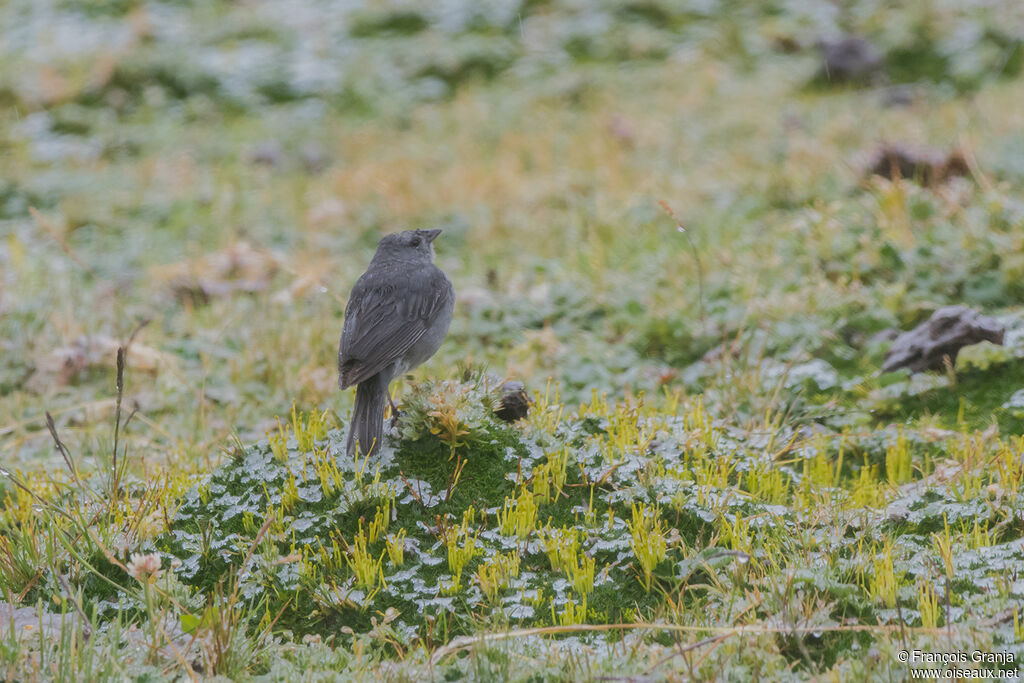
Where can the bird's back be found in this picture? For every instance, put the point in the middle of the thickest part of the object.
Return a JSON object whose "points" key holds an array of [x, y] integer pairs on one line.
{"points": [[398, 311]]}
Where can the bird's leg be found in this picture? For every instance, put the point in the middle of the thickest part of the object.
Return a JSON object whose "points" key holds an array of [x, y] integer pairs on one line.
{"points": [[394, 411]]}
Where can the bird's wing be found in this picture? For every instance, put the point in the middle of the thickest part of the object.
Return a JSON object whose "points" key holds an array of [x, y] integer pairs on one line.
{"points": [[385, 316]]}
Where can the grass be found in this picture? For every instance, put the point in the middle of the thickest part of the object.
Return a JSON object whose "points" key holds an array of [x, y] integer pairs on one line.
{"points": [[714, 479]]}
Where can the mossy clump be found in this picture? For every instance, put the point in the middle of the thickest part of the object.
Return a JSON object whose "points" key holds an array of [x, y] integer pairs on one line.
{"points": [[593, 517], [464, 517]]}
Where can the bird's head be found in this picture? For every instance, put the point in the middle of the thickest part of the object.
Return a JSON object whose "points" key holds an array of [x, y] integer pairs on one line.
{"points": [[410, 245]]}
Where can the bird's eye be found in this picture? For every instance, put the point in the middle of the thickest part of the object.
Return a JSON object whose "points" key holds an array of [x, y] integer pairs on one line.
{"points": [[415, 241]]}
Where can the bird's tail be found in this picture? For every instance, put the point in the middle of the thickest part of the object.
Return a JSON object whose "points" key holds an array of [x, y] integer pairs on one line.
{"points": [[366, 428]]}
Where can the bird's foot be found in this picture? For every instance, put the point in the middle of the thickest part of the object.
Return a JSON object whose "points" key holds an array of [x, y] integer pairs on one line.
{"points": [[396, 414]]}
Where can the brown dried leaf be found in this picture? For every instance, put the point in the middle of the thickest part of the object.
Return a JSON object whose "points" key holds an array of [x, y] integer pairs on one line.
{"points": [[60, 366], [239, 268]]}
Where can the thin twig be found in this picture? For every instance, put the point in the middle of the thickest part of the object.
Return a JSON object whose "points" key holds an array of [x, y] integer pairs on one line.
{"points": [[252, 549], [138, 328], [135, 409], [114, 478], [414, 493], [465, 642], [63, 450], [679, 651], [696, 260]]}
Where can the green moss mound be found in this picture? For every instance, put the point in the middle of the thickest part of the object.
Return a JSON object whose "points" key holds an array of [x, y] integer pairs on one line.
{"points": [[615, 514]]}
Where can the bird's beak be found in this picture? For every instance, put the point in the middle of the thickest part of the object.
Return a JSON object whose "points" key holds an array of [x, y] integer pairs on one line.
{"points": [[430, 235]]}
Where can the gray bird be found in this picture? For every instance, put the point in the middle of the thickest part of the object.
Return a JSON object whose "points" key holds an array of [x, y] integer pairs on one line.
{"points": [[396, 318]]}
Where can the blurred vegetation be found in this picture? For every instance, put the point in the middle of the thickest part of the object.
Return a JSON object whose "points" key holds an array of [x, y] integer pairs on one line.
{"points": [[202, 182]]}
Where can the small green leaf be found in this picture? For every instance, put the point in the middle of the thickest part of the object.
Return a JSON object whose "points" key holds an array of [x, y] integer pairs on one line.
{"points": [[189, 623]]}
